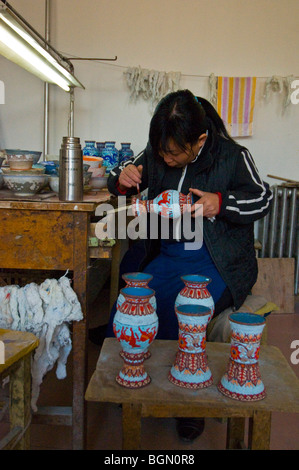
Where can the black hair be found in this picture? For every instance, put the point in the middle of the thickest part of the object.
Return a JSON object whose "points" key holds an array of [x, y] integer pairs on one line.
{"points": [[183, 117]]}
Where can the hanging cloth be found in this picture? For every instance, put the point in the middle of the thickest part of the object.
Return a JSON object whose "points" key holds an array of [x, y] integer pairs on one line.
{"points": [[235, 104]]}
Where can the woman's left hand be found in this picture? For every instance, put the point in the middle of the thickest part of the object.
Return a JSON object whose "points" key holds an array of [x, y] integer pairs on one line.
{"points": [[209, 201]]}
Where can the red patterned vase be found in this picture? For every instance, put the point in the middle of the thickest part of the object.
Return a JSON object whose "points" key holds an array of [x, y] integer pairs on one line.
{"points": [[242, 380], [190, 368], [137, 279], [170, 204], [135, 325], [195, 291]]}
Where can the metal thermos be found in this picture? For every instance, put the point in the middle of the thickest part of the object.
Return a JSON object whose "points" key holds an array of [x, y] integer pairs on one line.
{"points": [[71, 170]]}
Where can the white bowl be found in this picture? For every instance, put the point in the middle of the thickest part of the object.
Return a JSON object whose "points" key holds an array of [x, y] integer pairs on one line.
{"points": [[25, 185], [98, 182], [54, 183], [93, 162], [30, 153]]}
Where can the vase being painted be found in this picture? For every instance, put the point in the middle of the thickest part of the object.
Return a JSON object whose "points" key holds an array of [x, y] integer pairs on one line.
{"points": [[242, 380], [190, 368], [135, 326], [170, 204], [195, 291]]}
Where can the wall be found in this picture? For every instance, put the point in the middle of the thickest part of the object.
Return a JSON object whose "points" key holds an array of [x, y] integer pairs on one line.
{"points": [[195, 37]]}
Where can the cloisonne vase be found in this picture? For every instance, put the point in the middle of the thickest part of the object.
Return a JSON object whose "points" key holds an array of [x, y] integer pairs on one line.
{"points": [[135, 326], [170, 204], [90, 149], [110, 156], [125, 152], [195, 291], [190, 368], [242, 380]]}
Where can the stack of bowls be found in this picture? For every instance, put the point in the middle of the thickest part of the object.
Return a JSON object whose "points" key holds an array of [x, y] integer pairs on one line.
{"points": [[21, 177]]}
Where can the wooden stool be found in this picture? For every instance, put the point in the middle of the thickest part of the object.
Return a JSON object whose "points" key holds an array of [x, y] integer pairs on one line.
{"points": [[17, 347], [162, 399]]}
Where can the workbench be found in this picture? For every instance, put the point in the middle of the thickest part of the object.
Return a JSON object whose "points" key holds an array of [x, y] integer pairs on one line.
{"points": [[43, 233]]}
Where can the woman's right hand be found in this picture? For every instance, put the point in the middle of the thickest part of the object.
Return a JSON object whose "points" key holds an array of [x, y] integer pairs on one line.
{"points": [[130, 177]]}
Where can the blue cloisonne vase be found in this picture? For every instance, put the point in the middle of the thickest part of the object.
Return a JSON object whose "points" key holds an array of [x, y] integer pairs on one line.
{"points": [[110, 156], [100, 146], [195, 291], [135, 326], [190, 368], [125, 152], [90, 149], [242, 380]]}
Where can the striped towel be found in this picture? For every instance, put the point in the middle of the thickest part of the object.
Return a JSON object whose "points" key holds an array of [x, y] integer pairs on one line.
{"points": [[235, 104]]}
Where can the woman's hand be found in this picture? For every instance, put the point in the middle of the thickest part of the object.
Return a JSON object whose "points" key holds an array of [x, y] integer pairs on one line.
{"points": [[130, 177], [209, 201]]}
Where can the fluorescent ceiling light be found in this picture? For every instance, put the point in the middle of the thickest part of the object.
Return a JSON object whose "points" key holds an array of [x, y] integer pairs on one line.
{"points": [[18, 44]]}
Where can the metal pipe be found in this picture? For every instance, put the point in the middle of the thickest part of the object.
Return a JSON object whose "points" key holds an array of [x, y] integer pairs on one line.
{"points": [[293, 222], [46, 84], [283, 221], [273, 224]]}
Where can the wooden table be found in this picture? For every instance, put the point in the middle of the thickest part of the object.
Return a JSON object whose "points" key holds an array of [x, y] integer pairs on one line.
{"points": [[163, 399], [42, 233], [18, 347]]}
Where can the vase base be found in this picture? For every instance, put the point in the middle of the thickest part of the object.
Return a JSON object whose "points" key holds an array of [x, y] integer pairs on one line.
{"points": [[190, 385], [241, 396], [133, 384]]}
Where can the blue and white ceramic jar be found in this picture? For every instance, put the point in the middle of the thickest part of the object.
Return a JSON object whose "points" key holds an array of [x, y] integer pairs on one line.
{"points": [[90, 149], [110, 156], [125, 152], [242, 380], [190, 368]]}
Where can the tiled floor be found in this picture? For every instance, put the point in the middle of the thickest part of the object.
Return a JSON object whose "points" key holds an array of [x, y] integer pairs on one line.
{"points": [[104, 420]]}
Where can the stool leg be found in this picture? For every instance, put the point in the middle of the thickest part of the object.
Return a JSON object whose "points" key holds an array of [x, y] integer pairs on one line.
{"points": [[260, 430], [131, 426], [235, 433], [20, 397]]}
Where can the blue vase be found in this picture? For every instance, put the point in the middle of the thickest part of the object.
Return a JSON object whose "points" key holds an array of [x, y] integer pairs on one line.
{"points": [[100, 147], [90, 149], [125, 152], [110, 156]]}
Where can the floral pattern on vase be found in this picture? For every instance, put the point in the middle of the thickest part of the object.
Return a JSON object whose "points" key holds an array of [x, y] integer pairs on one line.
{"points": [[190, 368], [242, 380], [195, 291], [135, 326]]}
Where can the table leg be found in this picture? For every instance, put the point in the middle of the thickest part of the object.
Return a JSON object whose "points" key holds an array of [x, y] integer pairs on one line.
{"points": [[20, 406], [235, 433], [260, 430], [131, 426], [80, 284]]}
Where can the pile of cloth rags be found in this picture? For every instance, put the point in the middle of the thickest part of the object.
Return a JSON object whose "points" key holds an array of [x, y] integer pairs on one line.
{"points": [[46, 310]]}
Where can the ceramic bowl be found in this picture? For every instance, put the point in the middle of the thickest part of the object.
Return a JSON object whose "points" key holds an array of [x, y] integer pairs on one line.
{"points": [[94, 172], [30, 153], [93, 162], [54, 183], [20, 162], [98, 182], [25, 185]]}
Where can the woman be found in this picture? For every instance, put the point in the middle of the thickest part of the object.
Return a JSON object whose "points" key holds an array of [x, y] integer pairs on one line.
{"points": [[190, 150]]}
